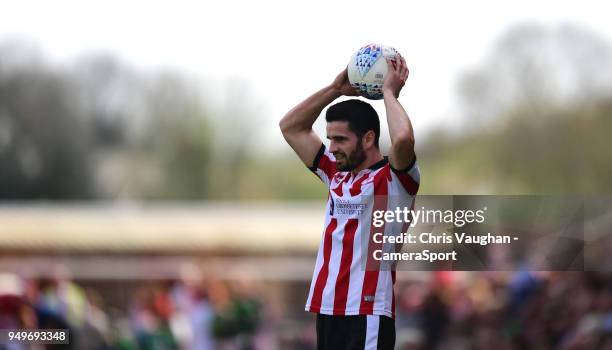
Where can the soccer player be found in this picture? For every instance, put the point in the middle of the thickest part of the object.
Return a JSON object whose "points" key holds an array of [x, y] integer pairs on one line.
{"points": [[351, 293]]}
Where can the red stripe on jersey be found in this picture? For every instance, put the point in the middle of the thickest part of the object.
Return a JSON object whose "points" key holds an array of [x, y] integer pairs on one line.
{"points": [[344, 275], [356, 188], [338, 189], [317, 295], [328, 166], [370, 279], [408, 183]]}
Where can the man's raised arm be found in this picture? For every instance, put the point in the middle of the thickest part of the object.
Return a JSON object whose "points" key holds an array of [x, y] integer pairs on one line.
{"points": [[401, 155], [296, 125]]}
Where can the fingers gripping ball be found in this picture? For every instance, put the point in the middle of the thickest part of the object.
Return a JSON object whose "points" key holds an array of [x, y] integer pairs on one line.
{"points": [[367, 69]]}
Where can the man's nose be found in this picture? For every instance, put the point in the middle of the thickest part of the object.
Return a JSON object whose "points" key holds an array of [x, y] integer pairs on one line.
{"points": [[333, 147]]}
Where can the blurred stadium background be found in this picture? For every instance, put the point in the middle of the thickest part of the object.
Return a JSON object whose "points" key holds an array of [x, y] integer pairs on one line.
{"points": [[139, 213]]}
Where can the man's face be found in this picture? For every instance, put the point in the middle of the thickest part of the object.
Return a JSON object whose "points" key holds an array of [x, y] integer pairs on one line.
{"points": [[345, 145]]}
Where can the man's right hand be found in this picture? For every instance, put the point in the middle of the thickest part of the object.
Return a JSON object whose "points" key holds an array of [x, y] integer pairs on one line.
{"points": [[342, 84], [296, 125]]}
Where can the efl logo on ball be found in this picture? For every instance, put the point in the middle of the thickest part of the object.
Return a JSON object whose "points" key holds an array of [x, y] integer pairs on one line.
{"points": [[367, 69]]}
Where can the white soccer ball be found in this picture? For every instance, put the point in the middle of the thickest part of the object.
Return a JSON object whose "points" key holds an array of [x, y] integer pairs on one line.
{"points": [[367, 69]]}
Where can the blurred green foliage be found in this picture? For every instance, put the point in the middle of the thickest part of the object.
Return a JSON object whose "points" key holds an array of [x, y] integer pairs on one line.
{"points": [[44, 141], [535, 152], [280, 178]]}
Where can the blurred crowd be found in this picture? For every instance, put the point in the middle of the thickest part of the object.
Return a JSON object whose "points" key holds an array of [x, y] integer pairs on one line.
{"points": [[444, 310], [507, 311], [186, 313]]}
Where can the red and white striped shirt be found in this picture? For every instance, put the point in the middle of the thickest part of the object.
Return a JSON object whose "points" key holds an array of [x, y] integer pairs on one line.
{"points": [[342, 284]]}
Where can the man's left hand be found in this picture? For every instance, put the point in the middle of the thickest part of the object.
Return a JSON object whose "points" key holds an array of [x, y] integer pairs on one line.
{"points": [[397, 74]]}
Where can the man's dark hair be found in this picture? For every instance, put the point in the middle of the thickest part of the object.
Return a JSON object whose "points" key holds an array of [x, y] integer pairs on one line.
{"points": [[360, 115]]}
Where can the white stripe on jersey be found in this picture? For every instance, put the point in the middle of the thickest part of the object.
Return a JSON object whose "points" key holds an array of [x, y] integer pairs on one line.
{"points": [[327, 302], [357, 272]]}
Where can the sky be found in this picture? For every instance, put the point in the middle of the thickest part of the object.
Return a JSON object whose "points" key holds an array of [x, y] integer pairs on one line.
{"points": [[285, 51]]}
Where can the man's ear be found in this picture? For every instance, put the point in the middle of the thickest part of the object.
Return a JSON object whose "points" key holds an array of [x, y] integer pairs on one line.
{"points": [[368, 139]]}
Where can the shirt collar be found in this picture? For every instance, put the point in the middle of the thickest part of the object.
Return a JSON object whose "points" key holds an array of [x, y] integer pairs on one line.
{"points": [[381, 163]]}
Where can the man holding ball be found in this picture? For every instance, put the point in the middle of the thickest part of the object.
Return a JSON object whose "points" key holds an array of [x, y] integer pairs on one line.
{"points": [[351, 293]]}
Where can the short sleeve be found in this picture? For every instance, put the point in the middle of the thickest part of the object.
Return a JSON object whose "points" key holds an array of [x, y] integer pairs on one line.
{"points": [[324, 165], [407, 179]]}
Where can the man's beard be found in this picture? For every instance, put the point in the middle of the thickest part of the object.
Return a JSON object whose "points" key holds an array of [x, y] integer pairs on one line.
{"points": [[351, 161]]}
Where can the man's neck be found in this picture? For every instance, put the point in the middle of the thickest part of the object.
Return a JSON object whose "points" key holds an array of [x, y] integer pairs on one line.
{"points": [[371, 159]]}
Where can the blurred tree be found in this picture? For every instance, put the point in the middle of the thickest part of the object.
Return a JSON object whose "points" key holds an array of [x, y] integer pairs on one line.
{"points": [[98, 129], [536, 116], [178, 135], [535, 66], [235, 142], [563, 151], [44, 142]]}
